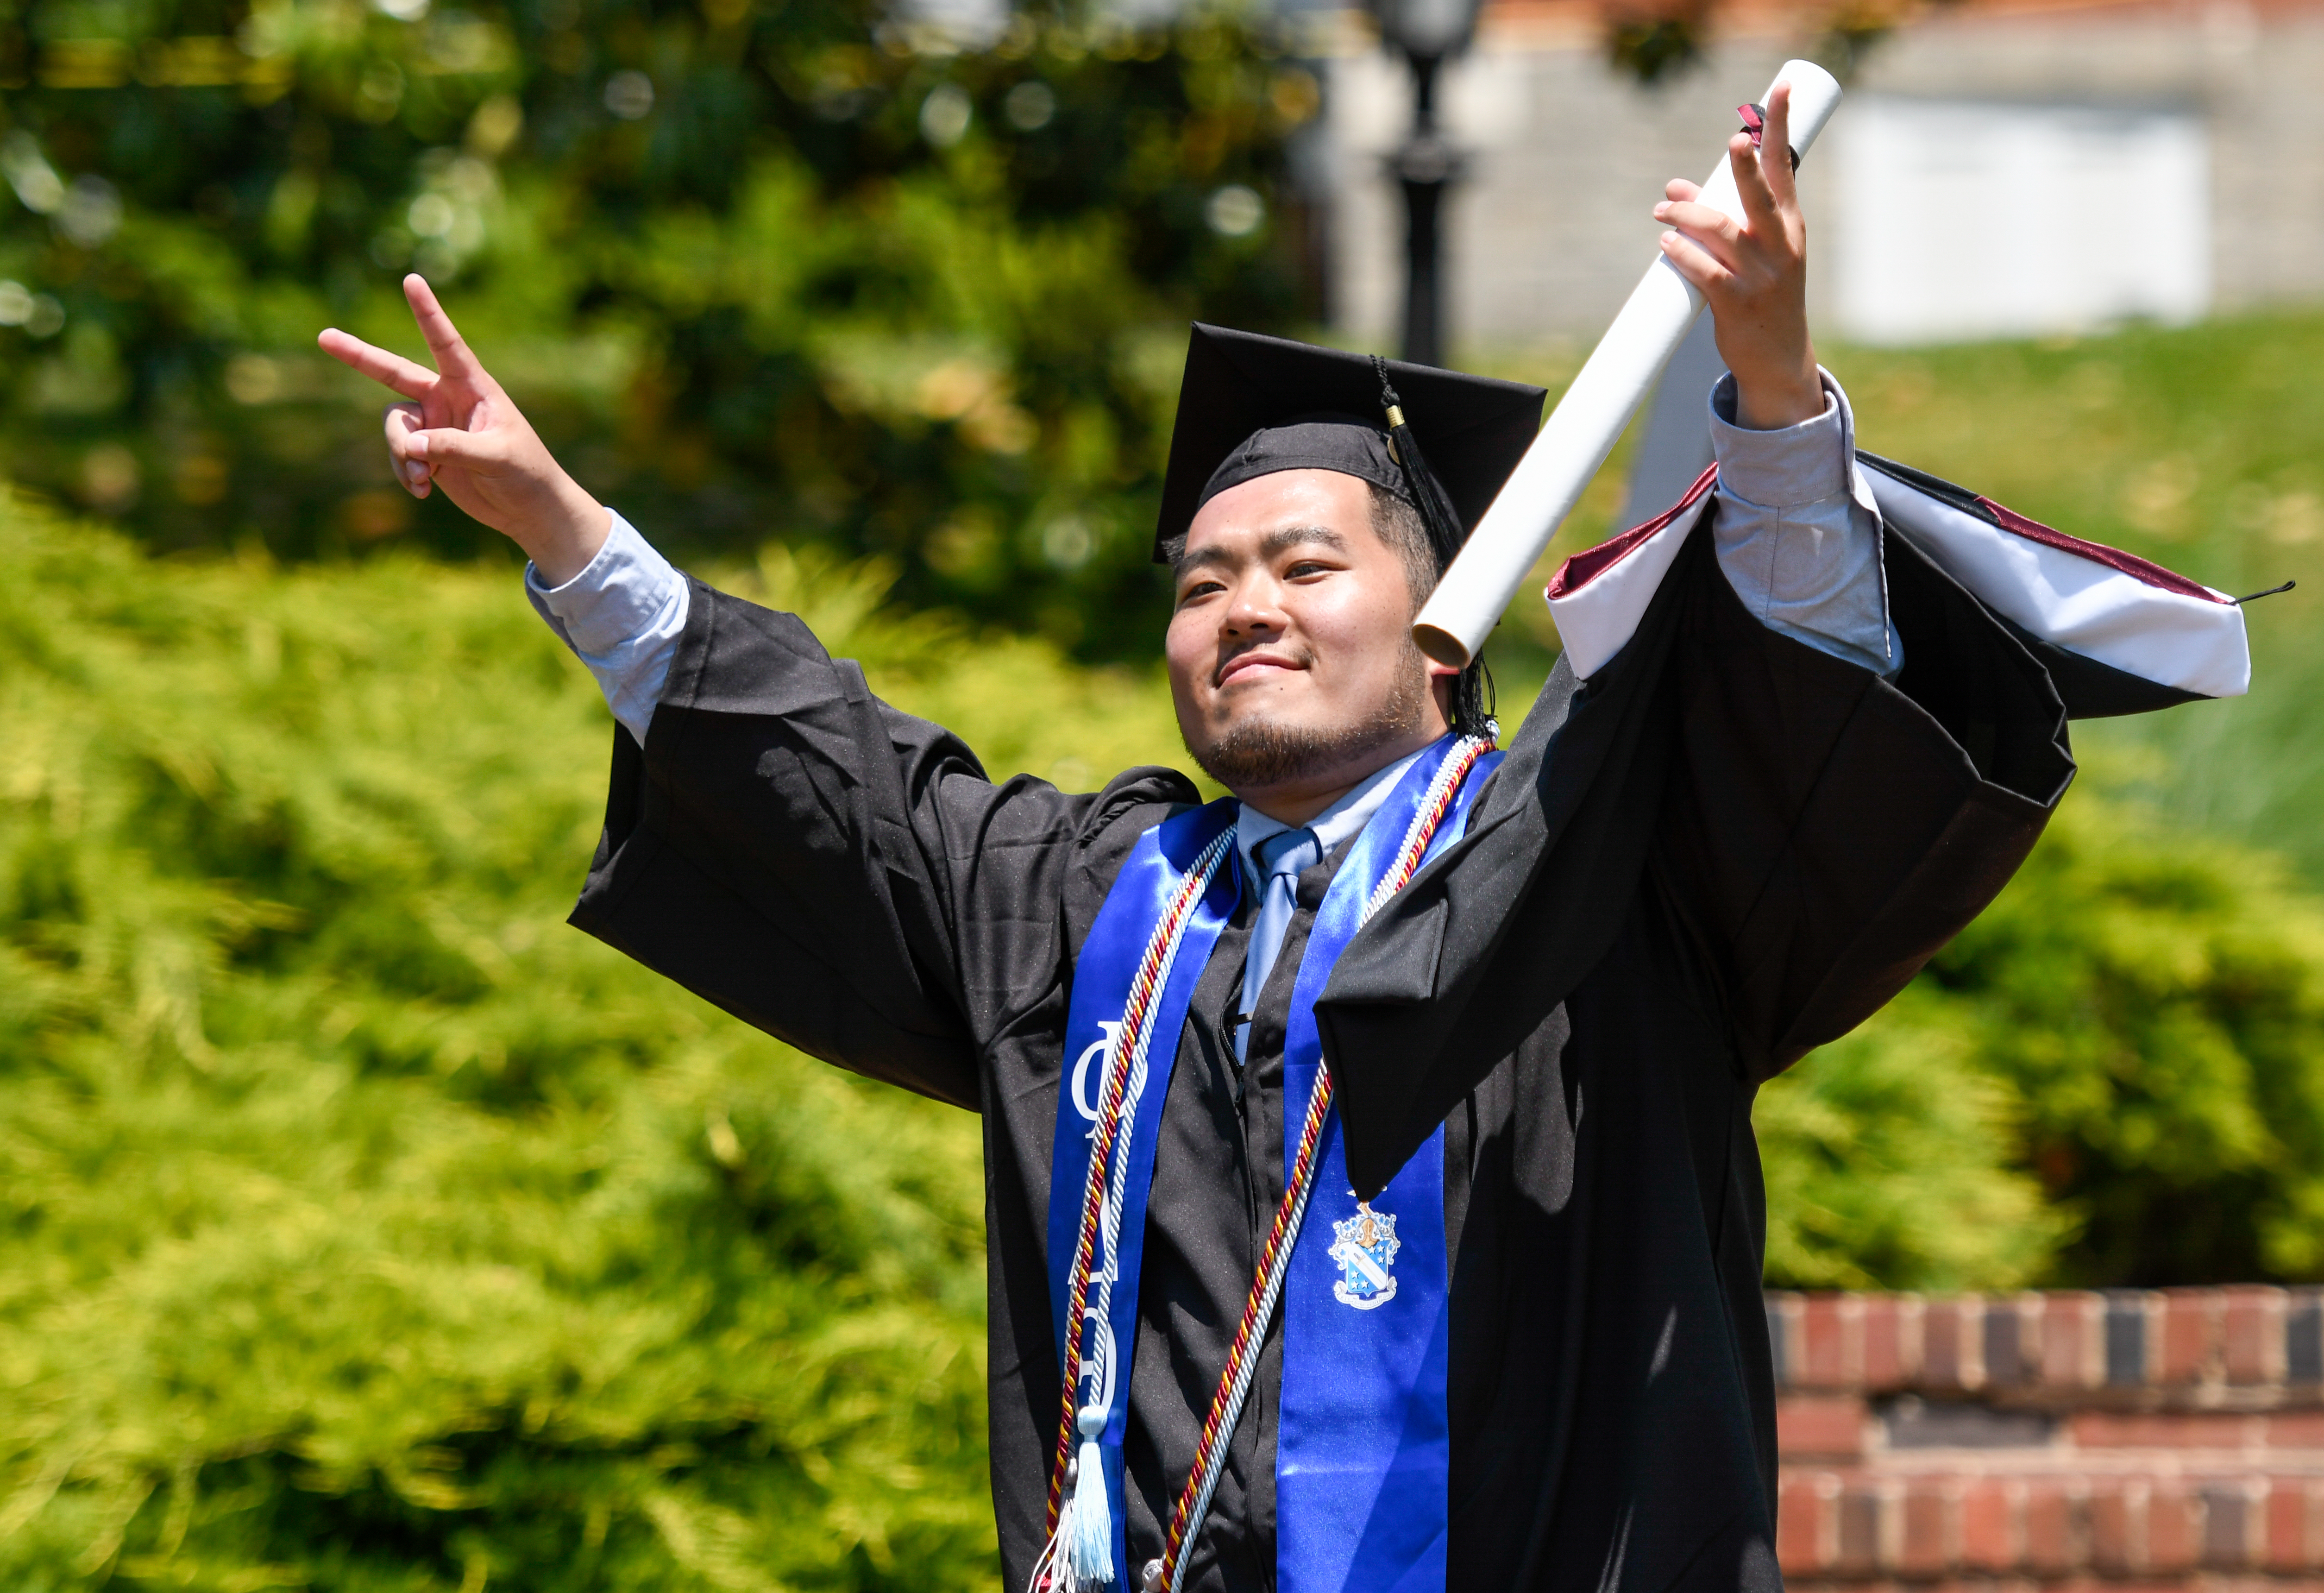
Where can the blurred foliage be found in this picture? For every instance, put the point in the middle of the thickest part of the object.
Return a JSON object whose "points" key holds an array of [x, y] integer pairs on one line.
{"points": [[1659, 45], [757, 268], [1660, 42], [369, 1230], [2154, 1002], [1890, 1162]]}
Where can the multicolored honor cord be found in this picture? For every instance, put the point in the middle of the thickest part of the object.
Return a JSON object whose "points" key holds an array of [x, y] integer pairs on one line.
{"points": [[1300, 1171]]}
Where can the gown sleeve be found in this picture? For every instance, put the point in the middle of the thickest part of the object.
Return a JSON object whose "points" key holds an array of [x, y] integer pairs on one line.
{"points": [[1821, 831], [1824, 832], [836, 873]]}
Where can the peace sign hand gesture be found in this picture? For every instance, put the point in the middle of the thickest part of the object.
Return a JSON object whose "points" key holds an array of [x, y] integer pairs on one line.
{"points": [[459, 430], [1753, 272]]}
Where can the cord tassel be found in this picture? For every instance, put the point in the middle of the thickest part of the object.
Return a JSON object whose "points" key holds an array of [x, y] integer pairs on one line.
{"points": [[1428, 496], [1079, 1557]]}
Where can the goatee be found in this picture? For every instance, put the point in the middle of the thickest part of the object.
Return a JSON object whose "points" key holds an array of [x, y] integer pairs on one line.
{"points": [[1258, 754]]}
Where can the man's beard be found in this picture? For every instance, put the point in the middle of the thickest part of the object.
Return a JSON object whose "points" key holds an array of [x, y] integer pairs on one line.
{"points": [[1258, 754]]}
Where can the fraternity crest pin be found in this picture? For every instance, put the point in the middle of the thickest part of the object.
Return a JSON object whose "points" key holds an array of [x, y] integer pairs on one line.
{"points": [[1365, 1246]]}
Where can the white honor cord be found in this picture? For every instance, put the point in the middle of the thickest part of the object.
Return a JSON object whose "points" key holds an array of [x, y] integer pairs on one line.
{"points": [[1241, 1390], [1117, 1183]]}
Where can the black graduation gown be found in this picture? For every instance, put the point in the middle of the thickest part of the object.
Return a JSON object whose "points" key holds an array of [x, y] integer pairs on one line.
{"points": [[1724, 849]]}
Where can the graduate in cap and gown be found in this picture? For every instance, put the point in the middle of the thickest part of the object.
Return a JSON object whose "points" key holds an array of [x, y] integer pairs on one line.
{"points": [[1371, 1198]]}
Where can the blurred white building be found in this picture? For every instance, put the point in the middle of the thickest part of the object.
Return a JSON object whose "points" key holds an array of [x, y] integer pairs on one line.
{"points": [[1999, 167]]}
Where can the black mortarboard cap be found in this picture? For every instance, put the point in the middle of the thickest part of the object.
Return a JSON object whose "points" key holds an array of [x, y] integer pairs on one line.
{"points": [[1252, 404]]}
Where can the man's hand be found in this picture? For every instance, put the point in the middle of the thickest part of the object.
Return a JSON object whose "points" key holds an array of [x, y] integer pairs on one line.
{"points": [[460, 431], [1753, 272]]}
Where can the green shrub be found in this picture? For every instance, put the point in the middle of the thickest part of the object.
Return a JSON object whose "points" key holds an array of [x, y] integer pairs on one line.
{"points": [[1889, 1161], [2156, 1001], [367, 1227]]}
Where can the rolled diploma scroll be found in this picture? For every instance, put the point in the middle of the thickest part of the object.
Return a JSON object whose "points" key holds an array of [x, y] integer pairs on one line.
{"points": [[1584, 428]]}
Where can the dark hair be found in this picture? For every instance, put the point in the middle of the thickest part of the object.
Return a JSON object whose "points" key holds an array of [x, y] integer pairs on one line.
{"points": [[1398, 524]]}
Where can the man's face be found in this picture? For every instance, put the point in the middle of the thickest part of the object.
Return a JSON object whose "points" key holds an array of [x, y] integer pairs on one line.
{"points": [[1290, 649]]}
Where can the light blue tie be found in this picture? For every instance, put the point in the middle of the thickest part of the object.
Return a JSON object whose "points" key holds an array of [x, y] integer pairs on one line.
{"points": [[1281, 858]]}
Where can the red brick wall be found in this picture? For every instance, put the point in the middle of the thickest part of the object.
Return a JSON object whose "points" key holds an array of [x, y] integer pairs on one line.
{"points": [[2158, 1439]]}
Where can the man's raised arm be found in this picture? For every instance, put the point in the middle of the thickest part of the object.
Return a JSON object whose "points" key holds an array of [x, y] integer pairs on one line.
{"points": [[776, 838], [1798, 537]]}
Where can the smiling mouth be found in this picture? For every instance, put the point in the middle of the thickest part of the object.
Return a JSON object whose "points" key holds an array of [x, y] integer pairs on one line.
{"points": [[1249, 666]]}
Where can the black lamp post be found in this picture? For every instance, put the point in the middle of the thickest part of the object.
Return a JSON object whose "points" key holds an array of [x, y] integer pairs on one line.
{"points": [[1426, 34]]}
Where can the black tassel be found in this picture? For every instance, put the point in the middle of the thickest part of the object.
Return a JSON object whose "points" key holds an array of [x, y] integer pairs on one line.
{"points": [[2271, 592], [1428, 496], [1474, 698]]}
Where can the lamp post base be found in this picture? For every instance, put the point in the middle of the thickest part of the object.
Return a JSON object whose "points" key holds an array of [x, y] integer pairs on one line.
{"points": [[1426, 167]]}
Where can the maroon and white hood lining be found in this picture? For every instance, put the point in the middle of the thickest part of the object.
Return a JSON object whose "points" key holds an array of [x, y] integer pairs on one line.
{"points": [[2095, 602]]}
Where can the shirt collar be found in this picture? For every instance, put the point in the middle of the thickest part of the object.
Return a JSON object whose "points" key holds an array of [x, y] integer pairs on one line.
{"points": [[1333, 825]]}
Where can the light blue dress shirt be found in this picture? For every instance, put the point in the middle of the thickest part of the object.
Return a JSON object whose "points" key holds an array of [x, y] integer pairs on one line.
{"points": [[1797, 532], [1253, 830], [622, 616]]}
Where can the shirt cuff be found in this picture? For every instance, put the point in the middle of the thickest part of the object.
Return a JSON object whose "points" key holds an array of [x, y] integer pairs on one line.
{"points": [[617, 597], [1785, 468]]}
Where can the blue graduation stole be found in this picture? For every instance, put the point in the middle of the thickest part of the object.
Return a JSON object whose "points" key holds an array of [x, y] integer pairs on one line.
{"points": [[1363, 1448]]}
